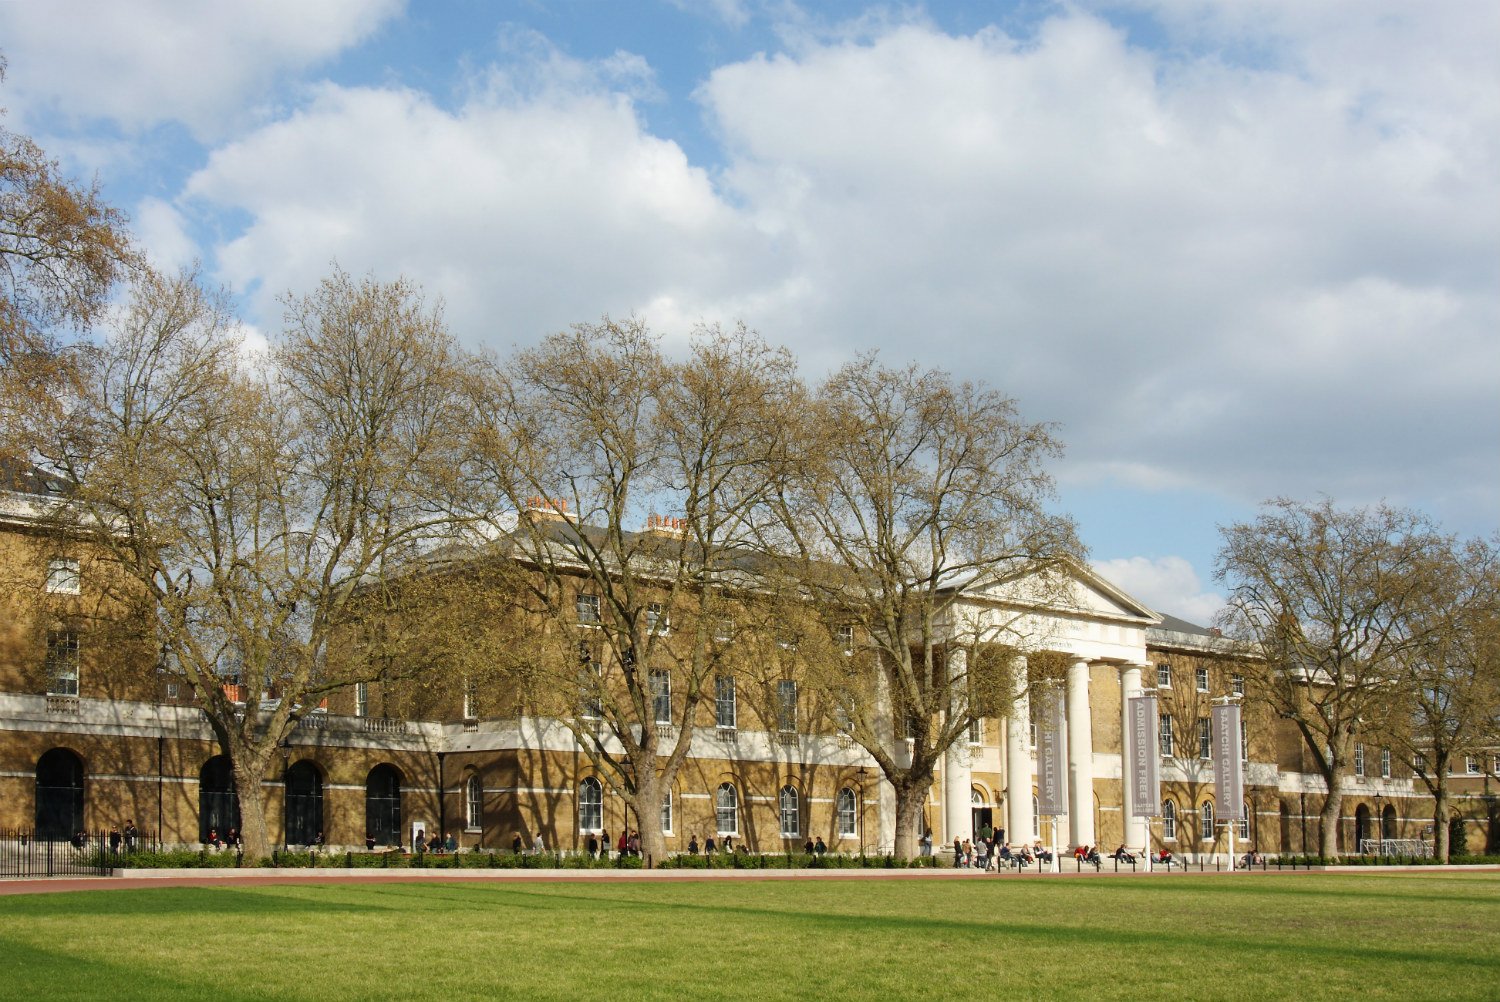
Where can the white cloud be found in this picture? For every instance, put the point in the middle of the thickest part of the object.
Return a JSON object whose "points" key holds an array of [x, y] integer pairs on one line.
{"points": [[162, 232], [523, 214], [145, 62], [1167, 584], [1251, 272]]}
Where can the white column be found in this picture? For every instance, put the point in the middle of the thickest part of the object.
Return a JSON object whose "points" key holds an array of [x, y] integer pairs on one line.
{"points": [[1080, 756], [958, 817], [1018, 763], [1135, 828]]}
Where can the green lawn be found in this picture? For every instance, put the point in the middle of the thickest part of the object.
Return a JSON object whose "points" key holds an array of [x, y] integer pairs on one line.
{"points": [[1412, 936]]}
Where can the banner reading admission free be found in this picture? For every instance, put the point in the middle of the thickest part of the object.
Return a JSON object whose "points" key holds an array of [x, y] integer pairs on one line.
{"points": [[1144, 749], [1229, 777], [1051, 760]]}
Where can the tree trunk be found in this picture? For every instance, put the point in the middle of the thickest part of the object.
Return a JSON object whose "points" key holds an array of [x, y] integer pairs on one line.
{"points": [[1441, 844], [249, 785], [909, 800], [1329, 820], [647, 804]]}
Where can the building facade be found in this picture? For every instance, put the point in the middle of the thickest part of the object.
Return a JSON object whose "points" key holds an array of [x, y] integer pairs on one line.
{"points": [[85, 745]]}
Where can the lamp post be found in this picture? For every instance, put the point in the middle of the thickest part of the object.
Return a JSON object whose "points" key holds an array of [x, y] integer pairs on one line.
{"points": [[1380, 824], [859, 809]]}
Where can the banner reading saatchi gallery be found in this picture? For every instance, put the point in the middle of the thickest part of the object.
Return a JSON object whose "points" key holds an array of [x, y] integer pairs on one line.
{"points": [[1144, 749], [1229, 776], [1051, 763]]}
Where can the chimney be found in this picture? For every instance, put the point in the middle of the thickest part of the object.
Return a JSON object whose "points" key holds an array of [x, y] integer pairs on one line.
{"points": [[665, 525]]}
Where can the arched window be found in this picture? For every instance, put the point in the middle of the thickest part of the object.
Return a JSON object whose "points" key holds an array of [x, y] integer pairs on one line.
{"points": [[590, 805], [727, 810], [1362, 830], [383, 805], [218, 804], [474, 802], [848, 810], [791, 814], [1169, 820], [304, 804], [1206, 818], [59, 795], [1244, 823], [1388, 823]]}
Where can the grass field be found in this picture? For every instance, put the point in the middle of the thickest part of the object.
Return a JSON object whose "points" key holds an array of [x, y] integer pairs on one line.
{"points": [[1409, 936]]}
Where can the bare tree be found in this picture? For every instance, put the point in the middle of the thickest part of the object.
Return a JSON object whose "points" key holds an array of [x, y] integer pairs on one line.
{"points": [[907, 489], [62, 248], [258, 505], [1328, 598], [1450, 696], [635, 476]]}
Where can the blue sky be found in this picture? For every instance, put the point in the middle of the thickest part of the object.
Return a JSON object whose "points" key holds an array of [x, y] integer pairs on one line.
{"points": [[1234, 251]]}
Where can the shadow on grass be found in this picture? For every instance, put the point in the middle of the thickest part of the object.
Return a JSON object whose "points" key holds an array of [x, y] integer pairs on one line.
{"points": [[983, 931], [219, 902], [33, 972]]}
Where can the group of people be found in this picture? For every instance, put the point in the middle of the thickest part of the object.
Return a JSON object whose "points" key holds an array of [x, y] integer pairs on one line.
{"points": [[438, 845], [125, 837], [992, 852], [229, 840]]}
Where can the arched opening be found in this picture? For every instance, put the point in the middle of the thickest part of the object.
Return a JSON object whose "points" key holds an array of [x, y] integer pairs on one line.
{"points": [[727, 810], [591, 805], [848, 814], [1388, 823], [474, 802], [383, 805], [983, 815], [304, 804], [218, 804], [1361, 827], [59, 794], [791, 812], [1286, 827]]}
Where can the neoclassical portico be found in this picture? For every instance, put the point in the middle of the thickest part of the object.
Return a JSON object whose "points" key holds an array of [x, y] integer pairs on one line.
{"points": [[1101, 631]]}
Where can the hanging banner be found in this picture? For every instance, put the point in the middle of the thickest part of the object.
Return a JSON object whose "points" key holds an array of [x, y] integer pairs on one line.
{"points": [[1229, 777], [1051, 758], [1145, 758]]}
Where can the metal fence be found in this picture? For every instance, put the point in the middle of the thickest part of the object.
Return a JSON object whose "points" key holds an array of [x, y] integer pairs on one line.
{"points": [[86, 854]]}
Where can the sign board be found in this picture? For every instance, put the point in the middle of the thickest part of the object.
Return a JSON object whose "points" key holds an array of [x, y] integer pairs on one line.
{"points": [[1144, 749], [1229, 775], [1051, 758]]}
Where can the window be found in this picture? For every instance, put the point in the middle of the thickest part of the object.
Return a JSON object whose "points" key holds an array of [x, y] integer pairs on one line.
{"points": [[1244, 742], [661, 695], [1166, 735], [724, 630], [172, 690], [1169, 820], [976, 731], [1206, 818], [62, 663], [1471, 764], [666, 812], [786, 706], [657, 620], [1205, 739], [848, 811], [724, 702], [727, 810], [1036, 818], [1419, 763], [1237, 684], [1201, 676], [786, 638], [590, 805], [844, 637], [1244, 824], [588, 609], [474, 803], [590, 684], [1359, 760], [1163, 676], [63, 577], [361, 699], [790, 813], [1385, 763], [471, 699]]}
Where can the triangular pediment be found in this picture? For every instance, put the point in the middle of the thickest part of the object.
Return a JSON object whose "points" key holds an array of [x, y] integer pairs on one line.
{"points": [[1071, 589]]}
